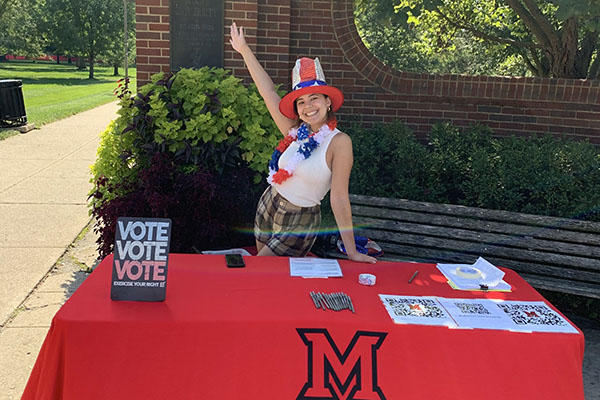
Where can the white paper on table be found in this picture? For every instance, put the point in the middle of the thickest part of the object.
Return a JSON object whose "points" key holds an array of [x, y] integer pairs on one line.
{"points": [[312, 267], [477, 313], [487, 274], [534, 316], [416, 310], [503, 286]]}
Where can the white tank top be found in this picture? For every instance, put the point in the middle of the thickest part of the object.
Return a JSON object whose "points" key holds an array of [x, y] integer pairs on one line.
{"points": [[311, 179]]}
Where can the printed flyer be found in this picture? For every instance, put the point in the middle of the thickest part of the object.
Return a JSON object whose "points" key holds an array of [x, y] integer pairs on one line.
{"points": [[518, 316]]}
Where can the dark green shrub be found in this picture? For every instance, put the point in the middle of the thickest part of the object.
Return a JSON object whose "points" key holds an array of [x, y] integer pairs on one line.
{"points": [[572, 304], [548, 176], [459, 163], [388, 162], [583, 165]]}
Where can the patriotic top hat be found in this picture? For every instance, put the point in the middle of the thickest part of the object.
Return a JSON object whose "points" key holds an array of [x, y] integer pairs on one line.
{"points": [[308, 77]]}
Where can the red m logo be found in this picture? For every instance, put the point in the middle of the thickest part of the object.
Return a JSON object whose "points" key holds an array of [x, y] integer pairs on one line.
{"points": [[351, 375]]}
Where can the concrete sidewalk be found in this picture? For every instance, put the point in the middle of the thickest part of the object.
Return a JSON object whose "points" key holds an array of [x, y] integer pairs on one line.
{"points": [[46, 241], [44, 184]]}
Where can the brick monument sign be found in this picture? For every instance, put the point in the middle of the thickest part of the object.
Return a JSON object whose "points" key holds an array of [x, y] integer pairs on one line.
{"points": [[187, 33]]}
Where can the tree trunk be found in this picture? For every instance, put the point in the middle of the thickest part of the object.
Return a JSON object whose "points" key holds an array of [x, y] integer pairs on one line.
{"points": [[585, 54], [564, 54], [92, 53], [91, 75], [115, 70], [537, 62], [560, 46], [80, 63]]}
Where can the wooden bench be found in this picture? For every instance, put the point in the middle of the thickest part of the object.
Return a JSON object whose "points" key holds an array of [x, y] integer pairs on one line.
{"points": [[557, 254]]}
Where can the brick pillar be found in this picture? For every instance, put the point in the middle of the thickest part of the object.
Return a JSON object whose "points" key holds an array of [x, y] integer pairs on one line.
{"points": [[152, 38], [244, 13]]}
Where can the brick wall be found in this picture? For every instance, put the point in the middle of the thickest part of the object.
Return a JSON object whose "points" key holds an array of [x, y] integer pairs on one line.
{"points": [[282, 30], [152, 38]]}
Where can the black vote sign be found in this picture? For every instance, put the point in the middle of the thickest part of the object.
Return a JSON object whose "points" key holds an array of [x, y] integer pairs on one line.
{"points": [[140, 259], [196, 33]]}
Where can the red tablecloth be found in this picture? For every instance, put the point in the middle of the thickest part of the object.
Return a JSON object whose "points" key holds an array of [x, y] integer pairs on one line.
{"points": [[254, 333]]}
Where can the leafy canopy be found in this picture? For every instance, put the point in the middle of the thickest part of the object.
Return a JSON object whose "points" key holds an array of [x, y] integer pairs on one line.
{"points": [[19, 31], [557, 38], [411, 47], [85, 27]]}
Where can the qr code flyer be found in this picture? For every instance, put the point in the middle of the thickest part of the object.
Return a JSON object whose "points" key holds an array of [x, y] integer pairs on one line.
{"points": [[535, 316], [476, 313], [416, 310]]}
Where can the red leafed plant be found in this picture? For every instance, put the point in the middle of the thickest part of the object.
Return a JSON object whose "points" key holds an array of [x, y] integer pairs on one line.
{"points": [[202, 205]]}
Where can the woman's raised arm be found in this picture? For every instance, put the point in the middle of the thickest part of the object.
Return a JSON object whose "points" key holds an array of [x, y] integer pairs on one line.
{"points": [[263, 81]]}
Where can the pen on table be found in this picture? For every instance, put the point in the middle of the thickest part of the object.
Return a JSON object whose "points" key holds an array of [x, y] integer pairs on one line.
{"points": [[324, 301], [413, 277], [314, 299]]}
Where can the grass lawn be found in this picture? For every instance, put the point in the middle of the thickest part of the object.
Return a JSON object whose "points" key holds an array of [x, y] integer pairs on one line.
{"points": [[53, 91]]}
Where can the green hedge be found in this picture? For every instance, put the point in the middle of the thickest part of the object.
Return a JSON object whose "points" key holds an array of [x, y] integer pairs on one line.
{"points": [[385, 156], [538, 175]]}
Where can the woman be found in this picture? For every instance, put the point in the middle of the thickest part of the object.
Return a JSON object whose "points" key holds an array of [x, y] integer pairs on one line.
{"points": [[313, 158]]}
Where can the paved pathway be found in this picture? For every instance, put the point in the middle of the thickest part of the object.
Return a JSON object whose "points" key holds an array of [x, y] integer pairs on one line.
{"points": [[44, 184]]}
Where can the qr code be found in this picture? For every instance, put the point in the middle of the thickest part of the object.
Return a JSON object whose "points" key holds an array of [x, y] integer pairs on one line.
{"points": [[415, 308], [470, 308], [525, 314]]}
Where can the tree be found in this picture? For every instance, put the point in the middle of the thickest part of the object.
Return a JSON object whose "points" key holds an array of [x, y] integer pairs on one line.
{"points": [[63, 38], [85, 26], [19, 33], [406, 47], [558, 38], [114, 54]]}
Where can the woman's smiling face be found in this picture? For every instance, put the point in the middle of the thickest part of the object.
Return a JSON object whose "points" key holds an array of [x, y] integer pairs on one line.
{"points": [[312, 109]]}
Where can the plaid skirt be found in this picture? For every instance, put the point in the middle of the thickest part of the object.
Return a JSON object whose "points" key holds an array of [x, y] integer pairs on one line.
{"points": [[287, 229]]}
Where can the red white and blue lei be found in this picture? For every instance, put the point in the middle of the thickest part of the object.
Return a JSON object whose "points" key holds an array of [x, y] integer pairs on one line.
{"points": [[280, 175]]}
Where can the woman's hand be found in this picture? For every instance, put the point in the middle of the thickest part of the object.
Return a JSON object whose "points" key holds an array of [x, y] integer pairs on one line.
{"points": [[263, 81], [360, 257], [238, 41]]}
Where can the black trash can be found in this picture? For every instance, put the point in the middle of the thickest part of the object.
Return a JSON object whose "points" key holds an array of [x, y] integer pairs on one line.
{"points": [[12, 107]]}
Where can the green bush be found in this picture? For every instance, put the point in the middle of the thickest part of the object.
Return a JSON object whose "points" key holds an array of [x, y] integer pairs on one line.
{"points": [[202, 117], [189, 146], [459, 163], [548, 176], [537, 175], [388, 162]]}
